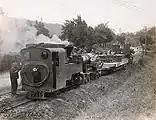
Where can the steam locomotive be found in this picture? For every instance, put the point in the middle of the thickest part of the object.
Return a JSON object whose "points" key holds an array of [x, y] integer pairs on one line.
{"points": [[47, 68]]}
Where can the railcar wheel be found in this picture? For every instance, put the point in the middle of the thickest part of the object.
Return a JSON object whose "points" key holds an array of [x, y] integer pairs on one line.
{"points": [[124, 67], [104, 72], [93, 76], [111, 71]]}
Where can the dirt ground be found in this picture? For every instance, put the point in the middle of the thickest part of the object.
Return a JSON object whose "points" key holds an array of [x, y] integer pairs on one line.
{"points": [[5, 85], [125, 95]]}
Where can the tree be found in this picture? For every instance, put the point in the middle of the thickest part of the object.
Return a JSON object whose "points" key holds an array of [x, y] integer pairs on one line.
{"points": [[41, 29], [90, 38], [67, 29], [152, 31], [147, 35], [76, 31], [103, 34], [120, 38]]}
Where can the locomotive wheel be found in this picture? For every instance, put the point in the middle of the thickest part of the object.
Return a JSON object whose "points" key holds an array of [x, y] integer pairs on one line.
{"points": [[86, 78], [104, 72], [124, 67], [77, 80], [93, 76], [69, 83]]}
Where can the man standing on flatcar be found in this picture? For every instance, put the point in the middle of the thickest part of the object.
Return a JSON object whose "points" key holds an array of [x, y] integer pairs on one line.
{"points": [[13, 77]]}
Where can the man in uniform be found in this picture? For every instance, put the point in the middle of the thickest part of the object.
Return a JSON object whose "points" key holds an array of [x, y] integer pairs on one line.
{"points": [[13, 77]]}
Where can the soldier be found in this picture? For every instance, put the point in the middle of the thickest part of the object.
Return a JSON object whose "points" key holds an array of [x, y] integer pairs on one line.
{"points": [[13, 77]]}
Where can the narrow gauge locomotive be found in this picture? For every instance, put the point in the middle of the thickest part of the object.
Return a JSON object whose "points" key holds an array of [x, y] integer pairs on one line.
{"points": [[50, 67]]}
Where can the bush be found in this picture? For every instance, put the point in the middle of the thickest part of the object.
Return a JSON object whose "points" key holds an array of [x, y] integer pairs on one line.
{"points": [[141, 62], [6, 61]]}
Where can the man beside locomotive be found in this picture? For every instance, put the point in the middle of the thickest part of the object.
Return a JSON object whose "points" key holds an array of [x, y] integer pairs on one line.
{"points": [[14, 76]]}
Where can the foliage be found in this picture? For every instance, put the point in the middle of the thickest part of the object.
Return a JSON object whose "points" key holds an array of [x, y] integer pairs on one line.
{"points": [[121, 38], [75, 31], [148, 38], [6, 61], [90, 38], [78, 32], [41, 29], [103, 34], [147, 35]]}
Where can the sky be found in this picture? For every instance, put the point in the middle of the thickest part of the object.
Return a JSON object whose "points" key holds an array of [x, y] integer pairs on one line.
{"points": [[122, 15]]}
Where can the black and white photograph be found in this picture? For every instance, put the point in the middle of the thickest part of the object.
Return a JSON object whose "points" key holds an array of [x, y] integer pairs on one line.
{"points": [[77, 60]]}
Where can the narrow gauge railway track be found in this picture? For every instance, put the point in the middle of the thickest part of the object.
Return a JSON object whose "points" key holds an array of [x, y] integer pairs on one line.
{"points": [[5, 109], [20, 100], [5, 93], [13, 102], [8, 92]]}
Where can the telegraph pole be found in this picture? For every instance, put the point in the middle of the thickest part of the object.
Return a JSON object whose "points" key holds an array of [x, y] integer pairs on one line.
{"points": [[145, 44], [145, 40]]}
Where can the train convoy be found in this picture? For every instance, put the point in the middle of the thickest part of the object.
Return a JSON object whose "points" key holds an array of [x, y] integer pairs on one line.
{"points": [[46, 68]]}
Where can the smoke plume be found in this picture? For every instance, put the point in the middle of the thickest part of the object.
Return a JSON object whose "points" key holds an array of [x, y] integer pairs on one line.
{"points": [[15, 34]]}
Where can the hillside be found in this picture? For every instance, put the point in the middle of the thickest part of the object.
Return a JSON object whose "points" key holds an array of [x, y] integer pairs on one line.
{"points": [[54, 28]]}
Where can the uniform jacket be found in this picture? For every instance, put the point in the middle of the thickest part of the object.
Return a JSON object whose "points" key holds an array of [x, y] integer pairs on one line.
{"points": [[14, 72]]}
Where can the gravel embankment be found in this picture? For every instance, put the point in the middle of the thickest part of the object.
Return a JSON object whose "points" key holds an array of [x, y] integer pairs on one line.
{"points": [[134, 100]]}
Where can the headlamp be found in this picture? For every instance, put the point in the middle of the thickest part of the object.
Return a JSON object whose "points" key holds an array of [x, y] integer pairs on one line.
{"points": [[34, 69]]}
